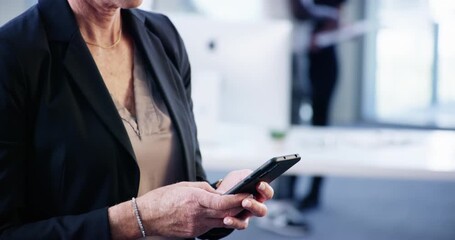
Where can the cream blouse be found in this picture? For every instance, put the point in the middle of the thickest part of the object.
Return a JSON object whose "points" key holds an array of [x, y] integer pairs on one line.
{"points": [[152, 135]]}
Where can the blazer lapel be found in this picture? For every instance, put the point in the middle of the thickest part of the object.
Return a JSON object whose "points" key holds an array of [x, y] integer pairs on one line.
{"points": [[82, 67], [157, 61], [85, 74]]}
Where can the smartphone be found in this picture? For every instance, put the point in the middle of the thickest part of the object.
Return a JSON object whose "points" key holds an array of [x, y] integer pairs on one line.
{"points": [[270, 170]]}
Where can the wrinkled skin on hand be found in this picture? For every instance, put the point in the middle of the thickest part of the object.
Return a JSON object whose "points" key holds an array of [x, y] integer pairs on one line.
{"points": [[188, 209]]}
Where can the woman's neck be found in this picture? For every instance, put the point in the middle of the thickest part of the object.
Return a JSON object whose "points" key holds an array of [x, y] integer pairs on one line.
{"points": [[98, 22]]}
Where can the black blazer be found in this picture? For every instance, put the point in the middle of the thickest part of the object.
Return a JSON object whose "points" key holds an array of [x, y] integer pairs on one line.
{"points": [[65, 156]]}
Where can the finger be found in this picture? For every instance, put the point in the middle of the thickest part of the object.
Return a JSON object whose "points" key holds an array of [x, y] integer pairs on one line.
{"points": [[232, 222], [214, 223], [220, 214], [265, 191], [256, 208], [232, 178], [221, 202], [244, 214], [202, 185]]}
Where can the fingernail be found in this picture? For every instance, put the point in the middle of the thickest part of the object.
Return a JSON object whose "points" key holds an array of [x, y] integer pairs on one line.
{"points": [[247, 222], [246, 203], [262, 186], [227, 221]]}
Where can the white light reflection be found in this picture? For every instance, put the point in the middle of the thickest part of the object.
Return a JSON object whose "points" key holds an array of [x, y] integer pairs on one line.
{"points": [[442, 10], [231, 9], [441, 152]]}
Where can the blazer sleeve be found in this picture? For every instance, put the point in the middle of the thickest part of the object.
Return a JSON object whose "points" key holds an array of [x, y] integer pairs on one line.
{"points": [[15, 137], [186, 74], [181, 60], [162, 27]]}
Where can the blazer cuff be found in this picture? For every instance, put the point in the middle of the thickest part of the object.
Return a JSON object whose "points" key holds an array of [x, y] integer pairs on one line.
{"points": [[216, 233]]}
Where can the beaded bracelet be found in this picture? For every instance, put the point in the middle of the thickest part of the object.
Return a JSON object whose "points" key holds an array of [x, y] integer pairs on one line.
{"points": [[138, 217]]}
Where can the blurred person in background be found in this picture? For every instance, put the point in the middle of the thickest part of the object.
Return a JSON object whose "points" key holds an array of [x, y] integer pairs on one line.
{"points": [[322, 75]]}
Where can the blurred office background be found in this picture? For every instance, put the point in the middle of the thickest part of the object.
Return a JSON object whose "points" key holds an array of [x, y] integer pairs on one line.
{"points": [[398, 73]]}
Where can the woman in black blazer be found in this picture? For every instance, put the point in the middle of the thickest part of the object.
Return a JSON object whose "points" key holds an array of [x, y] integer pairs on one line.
{"points": [[68, 169]]}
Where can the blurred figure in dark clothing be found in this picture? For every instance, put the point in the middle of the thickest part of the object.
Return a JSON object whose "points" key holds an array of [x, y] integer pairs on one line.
{"points": [[322, 61], [322, 75]]}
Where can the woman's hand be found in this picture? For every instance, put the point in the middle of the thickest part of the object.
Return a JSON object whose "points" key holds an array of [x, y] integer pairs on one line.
{"points": [[254, 204], [188, 209]]}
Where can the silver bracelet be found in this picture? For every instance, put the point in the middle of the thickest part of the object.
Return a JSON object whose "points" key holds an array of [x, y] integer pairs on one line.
{"points": [[138, 217]]}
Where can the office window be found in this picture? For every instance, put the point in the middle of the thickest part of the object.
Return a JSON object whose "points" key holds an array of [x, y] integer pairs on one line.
{"points": [[413, 58], [447, 62]]}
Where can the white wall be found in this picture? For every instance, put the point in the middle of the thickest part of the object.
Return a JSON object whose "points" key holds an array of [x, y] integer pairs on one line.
{"points": [[277, 9]]}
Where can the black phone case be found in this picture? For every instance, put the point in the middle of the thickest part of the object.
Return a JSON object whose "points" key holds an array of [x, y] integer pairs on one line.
{"points": [[268, 172]]}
